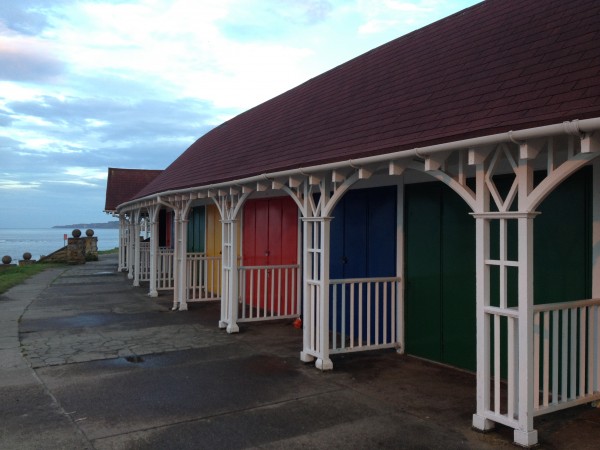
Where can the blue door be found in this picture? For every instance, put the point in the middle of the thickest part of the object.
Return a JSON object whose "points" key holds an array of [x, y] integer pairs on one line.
{"points": [[363, 245]]}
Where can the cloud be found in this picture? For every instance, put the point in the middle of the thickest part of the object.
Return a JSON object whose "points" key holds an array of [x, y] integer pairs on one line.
{"points": [[7, 143], [267, 20], [381, 16], [20, 16], [24, 58], [15, 184], [132, 83], [5, 119]]}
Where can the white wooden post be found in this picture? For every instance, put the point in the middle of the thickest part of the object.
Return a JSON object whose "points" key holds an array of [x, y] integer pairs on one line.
{"points": [[229, 205], [525, 435], [482, 251], [232, 288], [182, 292], [123, 239], [307, 275], [176, 258], [315, 297], [136, 249], [153, 292], [130, 244], [225, 273], [229, 278], [400, 266], [323, 362]]}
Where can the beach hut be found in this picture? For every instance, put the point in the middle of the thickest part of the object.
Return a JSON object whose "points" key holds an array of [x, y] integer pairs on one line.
{"points": [[447, 187]]}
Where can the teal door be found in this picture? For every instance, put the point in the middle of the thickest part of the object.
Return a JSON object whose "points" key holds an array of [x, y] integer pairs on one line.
{"points": [[196, 230]]}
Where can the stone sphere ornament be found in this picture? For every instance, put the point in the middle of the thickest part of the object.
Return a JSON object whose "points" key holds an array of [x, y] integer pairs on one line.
{"points": [[89, 232], [26, 256], [6, 259], [76, 233]]}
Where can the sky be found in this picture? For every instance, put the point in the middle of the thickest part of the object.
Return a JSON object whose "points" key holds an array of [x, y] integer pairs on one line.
{"points": [[90, 84]]}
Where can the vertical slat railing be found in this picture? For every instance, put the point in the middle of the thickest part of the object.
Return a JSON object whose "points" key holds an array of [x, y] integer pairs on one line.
{"points": [[203, 277], [567, 360], [363, 314], [144, 261], [269, 292], [165, 268], [504, 365]]}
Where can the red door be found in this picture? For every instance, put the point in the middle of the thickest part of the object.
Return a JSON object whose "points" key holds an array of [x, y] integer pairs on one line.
{"points": [[270, 239]]}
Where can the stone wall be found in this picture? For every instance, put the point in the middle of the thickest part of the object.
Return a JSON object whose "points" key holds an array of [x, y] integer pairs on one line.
{"points": [[78, 250]]}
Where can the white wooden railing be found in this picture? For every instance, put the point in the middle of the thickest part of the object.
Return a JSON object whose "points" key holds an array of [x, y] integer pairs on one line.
{"points": [[203, 277], [567, 354], [144, 261], [165, 269], [503, 403], [269, 292], [364, 314]]}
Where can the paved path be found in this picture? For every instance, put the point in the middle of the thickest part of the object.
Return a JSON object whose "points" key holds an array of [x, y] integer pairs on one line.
{"points": [[88, 361]]}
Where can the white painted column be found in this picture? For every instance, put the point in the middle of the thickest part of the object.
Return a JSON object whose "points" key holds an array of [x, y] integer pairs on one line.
{"points": [[136, 251], [225, 271], [232, 326], [182, 292], [176, 258], [400, 266], [482, 290], [315, 298], [229, 278], [525, 435], [153, 292], [596, 229], [122, 244], [130, 249], [307, 290], [323, 362], [482, 251]]}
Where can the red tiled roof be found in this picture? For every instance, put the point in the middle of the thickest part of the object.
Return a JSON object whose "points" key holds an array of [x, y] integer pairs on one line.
{"points": [[500, 65], [123, 184]]}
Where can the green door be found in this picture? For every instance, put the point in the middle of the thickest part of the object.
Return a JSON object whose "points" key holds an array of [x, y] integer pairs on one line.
{"points": [[563, 242], [440, 275], [440, 263]]}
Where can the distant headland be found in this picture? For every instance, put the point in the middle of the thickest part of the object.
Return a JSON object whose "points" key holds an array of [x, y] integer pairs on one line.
{"points": [[111, 224]]}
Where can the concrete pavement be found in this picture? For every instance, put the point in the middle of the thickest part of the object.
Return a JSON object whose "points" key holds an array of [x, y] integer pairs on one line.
{"points": [[88, 361]]}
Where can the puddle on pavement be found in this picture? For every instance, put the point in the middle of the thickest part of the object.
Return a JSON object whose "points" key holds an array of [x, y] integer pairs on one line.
{"points": [[134, 359]]}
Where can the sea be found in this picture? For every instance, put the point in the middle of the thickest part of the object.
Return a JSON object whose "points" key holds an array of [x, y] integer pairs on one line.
{"points": [[43, 241]]}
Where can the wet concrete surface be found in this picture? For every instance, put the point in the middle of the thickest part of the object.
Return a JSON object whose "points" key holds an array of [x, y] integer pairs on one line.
{"points": [[98, 364]]}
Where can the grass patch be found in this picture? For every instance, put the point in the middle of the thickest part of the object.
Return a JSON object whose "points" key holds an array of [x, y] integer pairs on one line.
{"points": [[109, 252], [11, 276]]}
